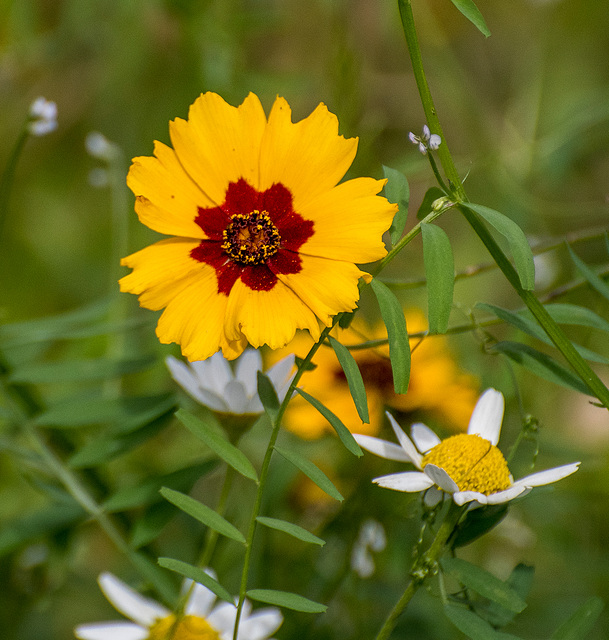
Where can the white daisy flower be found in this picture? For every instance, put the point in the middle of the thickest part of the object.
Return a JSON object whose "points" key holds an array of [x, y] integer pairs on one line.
{"points": [[468, 465], [152, 621], [43, 117], [213, 383], [425, 141]]}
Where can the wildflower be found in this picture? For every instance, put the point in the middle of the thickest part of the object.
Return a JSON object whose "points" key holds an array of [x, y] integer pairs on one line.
{"points": [[42, 117], [152, 621], [99, 147], [265, 241], [371, 538], [213, 383], [468, 466], [438, 387], [426, 141]]}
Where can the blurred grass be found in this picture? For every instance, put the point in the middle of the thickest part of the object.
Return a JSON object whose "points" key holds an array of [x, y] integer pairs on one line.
{"points": [[526, 115]]}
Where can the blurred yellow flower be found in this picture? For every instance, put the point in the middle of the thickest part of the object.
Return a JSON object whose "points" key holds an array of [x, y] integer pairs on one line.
{"points": [[438, 387], [265, 242]]}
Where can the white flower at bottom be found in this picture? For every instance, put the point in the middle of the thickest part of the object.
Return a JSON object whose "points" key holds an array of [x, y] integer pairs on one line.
{"points": [[202, 621], [213, 383], [468, 465], [43, 117]]}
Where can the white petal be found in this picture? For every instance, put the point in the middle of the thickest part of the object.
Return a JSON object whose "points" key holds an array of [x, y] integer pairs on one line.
{"points": [[222, 619], [423, 437], [461, 497], [261, 624], [111, 631], [426, 132], [186, 378], [381, 448], [201, 599], [409, 481], [414, 139], [487, 416], [279, 375], [505, 496], [214, 373], [235, 396], [441, 478], [129, 602], [434, 141], [248, 365], [405, 441], [548, 476]]}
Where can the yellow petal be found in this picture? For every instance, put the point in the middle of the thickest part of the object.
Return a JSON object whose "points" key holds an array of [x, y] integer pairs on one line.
{"points": [[308, 157], [166, 198], [219, 143], [327, 287], [267, 317], [349, 222], [162, 270]]}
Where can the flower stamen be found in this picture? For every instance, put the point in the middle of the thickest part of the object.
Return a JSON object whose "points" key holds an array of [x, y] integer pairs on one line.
{"points": [[188, 628], [251, 238]]}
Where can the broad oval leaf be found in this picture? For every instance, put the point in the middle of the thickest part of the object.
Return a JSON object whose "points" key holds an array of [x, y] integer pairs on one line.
{"points": [[313, 472], [440, 274], [473, 626], [286, 599], [354, 378], [397, 191], [211, 436], [581, 622], [343, 433], [202, 513], [198, 575], [472, 13], [292, 529], [519, 245], [397, 335]]}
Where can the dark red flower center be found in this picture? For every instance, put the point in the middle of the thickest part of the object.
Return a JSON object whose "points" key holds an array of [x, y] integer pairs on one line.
{"points": [[251, 238]]}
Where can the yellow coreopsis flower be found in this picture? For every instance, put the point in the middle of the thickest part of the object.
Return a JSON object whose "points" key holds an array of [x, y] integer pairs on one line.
{"points": [[438, 386], [265, 240]]}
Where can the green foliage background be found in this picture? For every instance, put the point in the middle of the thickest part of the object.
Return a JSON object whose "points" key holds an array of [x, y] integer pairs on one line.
{"points": [[526, 113]]}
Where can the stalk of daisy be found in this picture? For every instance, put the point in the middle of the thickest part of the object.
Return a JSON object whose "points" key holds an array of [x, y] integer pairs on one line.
{"points": [[554, 332]]}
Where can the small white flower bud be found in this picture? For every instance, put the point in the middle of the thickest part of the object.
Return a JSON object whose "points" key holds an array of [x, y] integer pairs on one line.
{"points": [[43, 117]]}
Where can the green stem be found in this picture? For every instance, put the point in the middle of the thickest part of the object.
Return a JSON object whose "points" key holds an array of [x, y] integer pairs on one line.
{"points": [[423, 567], [562, 343], [6, 182]]}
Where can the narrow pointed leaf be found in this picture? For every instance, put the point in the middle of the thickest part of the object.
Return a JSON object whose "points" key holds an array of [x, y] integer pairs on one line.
{"points": [[152, 573], [343, 433], [593, 280], [472, 13], [484, 583], [519, 245], [354, 378], [521, 581], [572, 314], [397, 334], [313, 472], [203, 514], [541, 365], [207, 431], [581, 622], [398, 192], [431, 195], [268, 396], [286, 599], [291, 529], [440, 274], [198, 575]]}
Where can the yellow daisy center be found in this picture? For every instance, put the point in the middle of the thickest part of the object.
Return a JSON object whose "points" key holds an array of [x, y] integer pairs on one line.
{"points": [[188, 628], [472, 462], [251, 238]]}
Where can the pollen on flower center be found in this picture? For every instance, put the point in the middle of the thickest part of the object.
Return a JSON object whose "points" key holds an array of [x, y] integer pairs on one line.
{"points": [[188, 628], [472, 462], [251, 238]]}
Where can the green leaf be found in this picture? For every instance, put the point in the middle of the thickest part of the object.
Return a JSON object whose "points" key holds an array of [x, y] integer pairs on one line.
{"points": [[203, 514], [484, 583], [440, 274], [312, 472], [354, 378], [150, 524], [343, 433], [431, 195], [528, 325], [398, 192], [397, 334], [472, 13], [593, 280], [291, 529], [519, 245], [572, 314], [581, 622], [541, 365], [207, 431], [478, 522], [268, 396], [79, 370], [151, 571], [521, 581], [198, 575], [472, 625], [286, 599]]}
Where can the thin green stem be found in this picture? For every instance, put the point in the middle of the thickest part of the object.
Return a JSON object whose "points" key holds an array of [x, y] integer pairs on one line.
{"points": [[6, 182], [423, 567]]}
